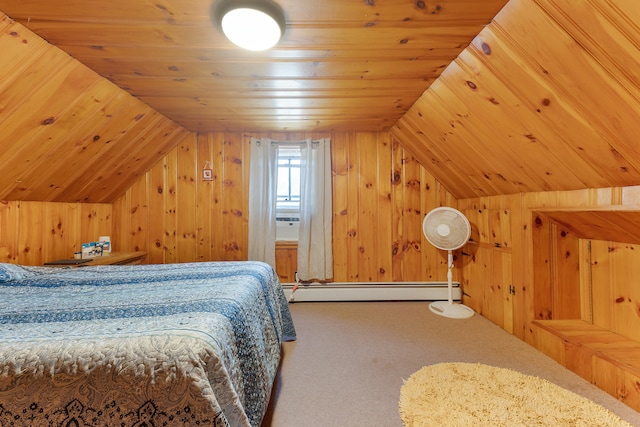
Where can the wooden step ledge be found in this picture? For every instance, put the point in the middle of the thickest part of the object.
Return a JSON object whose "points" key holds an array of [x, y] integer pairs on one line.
{"points": [[618, 350]]}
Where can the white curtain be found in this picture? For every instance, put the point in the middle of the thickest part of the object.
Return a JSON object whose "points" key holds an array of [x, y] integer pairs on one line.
{"points": [[263, 177], [315, 256]]}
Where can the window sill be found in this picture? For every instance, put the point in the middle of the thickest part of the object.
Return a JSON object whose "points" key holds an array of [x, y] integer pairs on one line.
{"points": [[286, 244]]}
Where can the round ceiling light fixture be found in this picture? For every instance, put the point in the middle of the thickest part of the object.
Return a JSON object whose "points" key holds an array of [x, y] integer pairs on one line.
{"points": [[251, 24]]}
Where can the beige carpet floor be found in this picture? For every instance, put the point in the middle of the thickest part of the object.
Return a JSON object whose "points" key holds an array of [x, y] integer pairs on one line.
{"points": [[351, 359]]}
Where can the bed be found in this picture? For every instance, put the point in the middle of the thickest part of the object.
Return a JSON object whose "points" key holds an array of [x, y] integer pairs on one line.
{"points": [[142, 345]]}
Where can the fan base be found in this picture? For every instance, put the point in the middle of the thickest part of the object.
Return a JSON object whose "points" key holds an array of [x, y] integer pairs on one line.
{"points": [[452, 310]]}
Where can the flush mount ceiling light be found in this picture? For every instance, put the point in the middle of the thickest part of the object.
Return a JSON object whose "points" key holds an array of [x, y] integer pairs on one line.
{"points": [[250, 24]]}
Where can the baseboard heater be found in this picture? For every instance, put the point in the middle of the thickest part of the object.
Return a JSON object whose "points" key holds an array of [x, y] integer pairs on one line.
{"points": [[366, 291]]}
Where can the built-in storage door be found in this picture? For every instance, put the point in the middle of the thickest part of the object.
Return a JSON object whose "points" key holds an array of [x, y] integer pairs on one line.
{"points": [[487, 280]]}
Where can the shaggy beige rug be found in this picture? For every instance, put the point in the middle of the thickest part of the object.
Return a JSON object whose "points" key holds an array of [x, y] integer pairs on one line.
{"points": [[467, 394]]}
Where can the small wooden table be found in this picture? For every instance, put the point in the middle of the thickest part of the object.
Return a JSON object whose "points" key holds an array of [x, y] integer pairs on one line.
{"points": [[114, 258]]}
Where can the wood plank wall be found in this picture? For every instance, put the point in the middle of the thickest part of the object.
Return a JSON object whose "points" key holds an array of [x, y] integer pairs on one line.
{"points": [[381, 195], [615, 275], [521, 207], [32, 233]]}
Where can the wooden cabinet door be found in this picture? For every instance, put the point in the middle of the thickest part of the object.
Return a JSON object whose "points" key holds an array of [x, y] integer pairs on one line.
{"points": [[486, 266]]}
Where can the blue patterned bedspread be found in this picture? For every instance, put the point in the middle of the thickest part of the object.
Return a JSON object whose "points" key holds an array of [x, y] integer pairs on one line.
{"points": [[172, 344]]}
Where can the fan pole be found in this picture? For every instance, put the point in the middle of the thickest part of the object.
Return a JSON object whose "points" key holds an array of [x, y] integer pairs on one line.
{"points": [[450, 276], [449, 308]]}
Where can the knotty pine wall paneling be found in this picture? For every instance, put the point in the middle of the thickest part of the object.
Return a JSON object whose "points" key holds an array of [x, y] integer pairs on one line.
{"points": [[366, 186], [9, 236], [140, 214], [186, 198], [159, 244], [169, 216], [63, 232], [177, 217], [533, 298], [407, 244], [566, 269], [381, 195], [340, 175], [235, 196], [207, 196], [592, 286], [615, 294], [556, 270], [32, 233], [356, 187]]}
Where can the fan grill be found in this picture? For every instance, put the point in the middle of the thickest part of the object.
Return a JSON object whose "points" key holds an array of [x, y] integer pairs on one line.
{"points": [[446, 228]]}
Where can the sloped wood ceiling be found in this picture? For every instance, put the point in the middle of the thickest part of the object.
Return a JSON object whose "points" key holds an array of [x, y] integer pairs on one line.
{"points": [[67, 134], [342, 64], [547, 97]]}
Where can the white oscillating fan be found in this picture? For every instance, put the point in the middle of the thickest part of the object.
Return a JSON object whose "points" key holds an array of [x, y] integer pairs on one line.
{"points": [[448, 229]]}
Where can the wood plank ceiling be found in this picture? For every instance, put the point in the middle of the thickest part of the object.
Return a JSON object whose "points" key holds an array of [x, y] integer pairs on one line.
{"points": [[342, 65], [67, 134], [491, 98], [546, 98]]}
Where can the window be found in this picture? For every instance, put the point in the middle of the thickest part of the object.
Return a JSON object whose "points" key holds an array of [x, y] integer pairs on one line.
{"points": [[288, 193]]}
